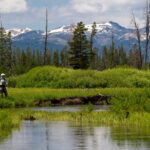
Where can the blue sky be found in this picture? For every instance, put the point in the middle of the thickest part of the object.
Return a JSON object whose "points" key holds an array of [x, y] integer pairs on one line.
{"points": [[31, 13]]}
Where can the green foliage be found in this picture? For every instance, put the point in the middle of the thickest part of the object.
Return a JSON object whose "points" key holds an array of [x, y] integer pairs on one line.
{"points": [[53, 77], [6, 103], [12, 81], [129, 103], [88, 108]]}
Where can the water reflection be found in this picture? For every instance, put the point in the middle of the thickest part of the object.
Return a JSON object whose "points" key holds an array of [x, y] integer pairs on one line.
{"points": [[69, 136], [71, 108]]}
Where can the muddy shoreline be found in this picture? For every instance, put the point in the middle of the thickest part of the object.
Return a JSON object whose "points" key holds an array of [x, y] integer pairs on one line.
{"points": [[95, 100]]}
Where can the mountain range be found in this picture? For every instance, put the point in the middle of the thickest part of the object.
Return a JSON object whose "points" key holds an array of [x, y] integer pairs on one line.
{"points": [[58, 38]]}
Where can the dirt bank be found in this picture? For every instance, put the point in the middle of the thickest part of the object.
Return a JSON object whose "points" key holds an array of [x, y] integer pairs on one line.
{"points": [[96, 100]]}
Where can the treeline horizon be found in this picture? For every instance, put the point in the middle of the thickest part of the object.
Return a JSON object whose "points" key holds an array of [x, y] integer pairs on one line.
{"points": [[80, 53], [24, 60], [19, 61]]}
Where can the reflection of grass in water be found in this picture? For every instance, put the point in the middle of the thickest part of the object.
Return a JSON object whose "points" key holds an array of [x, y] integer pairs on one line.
{"points": [[135, 136], [11, 118]]}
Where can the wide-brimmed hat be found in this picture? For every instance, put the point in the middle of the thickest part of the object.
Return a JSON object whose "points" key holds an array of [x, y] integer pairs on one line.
{"points": [[3, 74]]}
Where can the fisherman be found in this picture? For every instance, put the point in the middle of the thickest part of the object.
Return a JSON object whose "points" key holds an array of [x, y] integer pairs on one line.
{"points": [[3, 85]]}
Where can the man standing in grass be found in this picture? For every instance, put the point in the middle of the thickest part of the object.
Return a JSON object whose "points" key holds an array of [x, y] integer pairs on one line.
{"points": [[3, 85]]}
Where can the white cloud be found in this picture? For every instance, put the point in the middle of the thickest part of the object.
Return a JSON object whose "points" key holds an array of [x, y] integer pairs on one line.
{"points": [[106, 10], [72, 12], [87, 6], [10, 6], [84, 6]]}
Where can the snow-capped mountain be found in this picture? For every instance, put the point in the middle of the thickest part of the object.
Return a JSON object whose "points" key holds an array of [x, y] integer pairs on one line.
{"points": [[16, 31], [58, 38]]}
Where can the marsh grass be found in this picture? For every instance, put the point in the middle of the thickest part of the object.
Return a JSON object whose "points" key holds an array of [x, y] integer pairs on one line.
{"points": [[125, 99], [110, 118], [11, 119]]}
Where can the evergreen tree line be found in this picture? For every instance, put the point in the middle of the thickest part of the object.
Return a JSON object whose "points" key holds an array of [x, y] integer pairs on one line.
{"points": [[24, 60], [81, 54]]}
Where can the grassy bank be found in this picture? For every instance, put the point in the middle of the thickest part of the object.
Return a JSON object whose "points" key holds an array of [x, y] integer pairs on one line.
{"points": [[123, 99], [53, 77]]}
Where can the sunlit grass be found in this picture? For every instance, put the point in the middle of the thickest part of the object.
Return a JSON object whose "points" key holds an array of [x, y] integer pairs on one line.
{"points": [[121, 97], [54, 77]]}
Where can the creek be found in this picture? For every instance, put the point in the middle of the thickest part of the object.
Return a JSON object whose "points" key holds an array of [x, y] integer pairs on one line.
{"points": [[61, 135]]}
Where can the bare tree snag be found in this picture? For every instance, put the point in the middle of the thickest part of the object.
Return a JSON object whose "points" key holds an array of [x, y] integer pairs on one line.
{"points": [[46, 37], [138, 35], [147, 15]]}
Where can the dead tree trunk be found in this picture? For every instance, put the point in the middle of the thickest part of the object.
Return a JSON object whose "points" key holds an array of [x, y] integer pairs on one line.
{"points": [[46, 37], [147, 13], [138, 35]]}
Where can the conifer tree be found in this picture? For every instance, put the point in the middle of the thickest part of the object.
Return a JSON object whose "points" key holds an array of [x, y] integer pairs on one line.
{"points": [[104, 63], [49, 57], [29, 58], [9, 62], [116, 58], [64, 57], [111, 53], [5, 51], [56, 58], [79, 48], [130, 57], [122, 56], [95, 64]]}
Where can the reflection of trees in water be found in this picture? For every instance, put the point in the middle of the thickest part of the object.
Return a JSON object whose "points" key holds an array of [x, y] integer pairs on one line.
{"points": [[134, 136], [84, 137], [79, 135], [47, 135]]}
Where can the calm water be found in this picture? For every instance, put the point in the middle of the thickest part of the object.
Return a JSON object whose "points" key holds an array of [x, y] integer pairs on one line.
{"points": [[71, 108], [68, 136]]}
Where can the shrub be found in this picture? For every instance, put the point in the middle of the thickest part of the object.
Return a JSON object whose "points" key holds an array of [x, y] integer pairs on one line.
{"points": [[53, 77]]}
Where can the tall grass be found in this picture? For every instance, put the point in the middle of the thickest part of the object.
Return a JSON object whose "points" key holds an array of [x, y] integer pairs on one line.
{"points": [[99, 118], [9, 120], [125, 99], [53, 77]]}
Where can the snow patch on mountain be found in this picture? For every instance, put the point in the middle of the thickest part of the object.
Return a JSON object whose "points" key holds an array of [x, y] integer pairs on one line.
{"points": [[65, 29], [68, 29], [57, 38], [16, 31]]}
